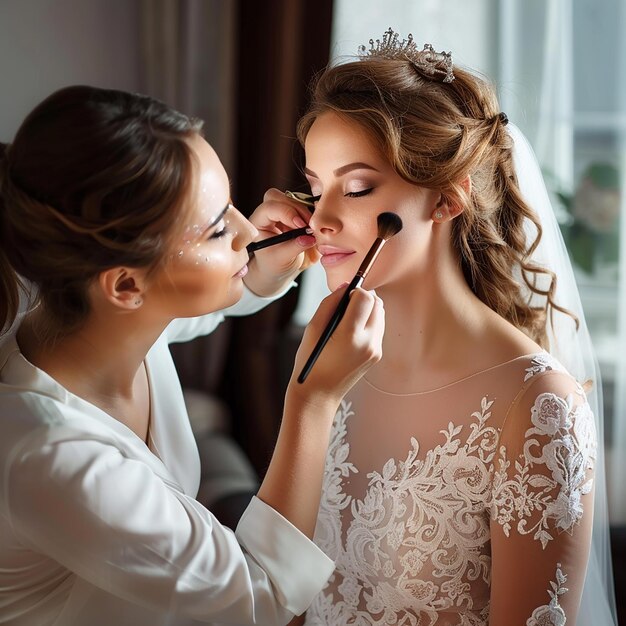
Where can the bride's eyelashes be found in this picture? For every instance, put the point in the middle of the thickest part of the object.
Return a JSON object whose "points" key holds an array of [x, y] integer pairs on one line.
{"points": [[358, 194], [349, 194]]}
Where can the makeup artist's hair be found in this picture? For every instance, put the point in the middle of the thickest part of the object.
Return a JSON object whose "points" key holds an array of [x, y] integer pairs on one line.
{"points": [[435, 134], [95, 178]]}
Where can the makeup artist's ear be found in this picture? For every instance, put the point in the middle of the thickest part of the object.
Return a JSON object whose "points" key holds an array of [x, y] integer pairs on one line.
{"points": [[446, 209], [122, 286]]}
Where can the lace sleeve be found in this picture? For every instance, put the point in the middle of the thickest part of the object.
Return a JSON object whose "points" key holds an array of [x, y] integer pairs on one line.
{"points": [[542, 504]]}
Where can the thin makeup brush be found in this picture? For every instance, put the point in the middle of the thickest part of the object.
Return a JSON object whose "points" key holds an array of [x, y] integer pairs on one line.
{"points": [[304, 198], [272, 241], [389, 224]]}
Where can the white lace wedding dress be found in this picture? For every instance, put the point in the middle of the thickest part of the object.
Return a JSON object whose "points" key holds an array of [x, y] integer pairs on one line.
{"points": [[459, 505]]}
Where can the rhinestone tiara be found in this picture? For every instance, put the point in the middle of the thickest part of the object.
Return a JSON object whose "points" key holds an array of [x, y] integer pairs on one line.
{"points": [[427, 61]]}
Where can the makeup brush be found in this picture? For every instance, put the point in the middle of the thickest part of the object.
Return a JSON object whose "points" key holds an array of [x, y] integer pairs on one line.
{"points": [[304, 198], [389, 224], [272, 241]]}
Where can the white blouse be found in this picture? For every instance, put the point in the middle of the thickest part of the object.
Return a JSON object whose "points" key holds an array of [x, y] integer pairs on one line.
{"points": [[98, 528]]}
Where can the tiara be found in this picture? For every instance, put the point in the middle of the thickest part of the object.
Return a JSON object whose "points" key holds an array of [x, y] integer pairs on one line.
{"points": [[433, 64]]}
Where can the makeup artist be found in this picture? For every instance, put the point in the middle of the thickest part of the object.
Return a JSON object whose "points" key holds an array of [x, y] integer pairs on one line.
{"points": [[116, 228]]}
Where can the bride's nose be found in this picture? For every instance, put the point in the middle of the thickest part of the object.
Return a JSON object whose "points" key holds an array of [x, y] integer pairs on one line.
{"points": [[325, 219]]}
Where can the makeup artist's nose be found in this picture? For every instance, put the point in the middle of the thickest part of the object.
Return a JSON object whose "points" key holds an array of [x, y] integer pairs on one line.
{"points": [[324, 220], [244, 231]]}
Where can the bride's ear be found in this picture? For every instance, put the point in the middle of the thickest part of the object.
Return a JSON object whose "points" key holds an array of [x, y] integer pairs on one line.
{"points": [[122, 287], [446, 209]]}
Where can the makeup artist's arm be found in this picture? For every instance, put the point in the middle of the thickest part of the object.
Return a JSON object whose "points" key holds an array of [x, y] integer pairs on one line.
{"points": [[293, 482], [272, 269]]}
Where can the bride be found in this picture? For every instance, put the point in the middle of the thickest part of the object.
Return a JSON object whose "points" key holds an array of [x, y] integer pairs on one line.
{"points": [[461, 471]]}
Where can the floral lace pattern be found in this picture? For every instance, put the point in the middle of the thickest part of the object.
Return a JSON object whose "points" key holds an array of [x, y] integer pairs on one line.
{"points": [[412, 545], [540, 363], [551, 614], [418, 540], [544, 494]]}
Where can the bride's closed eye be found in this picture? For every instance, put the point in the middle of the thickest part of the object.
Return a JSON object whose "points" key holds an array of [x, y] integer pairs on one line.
{"points": [[349, 194], [358, 194]]}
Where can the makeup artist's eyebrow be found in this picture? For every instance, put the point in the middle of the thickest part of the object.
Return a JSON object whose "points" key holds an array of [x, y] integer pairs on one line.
{"points": [[344, 169]]}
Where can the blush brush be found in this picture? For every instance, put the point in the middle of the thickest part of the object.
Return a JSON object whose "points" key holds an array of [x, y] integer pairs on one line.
{"points": [[389, 224]]}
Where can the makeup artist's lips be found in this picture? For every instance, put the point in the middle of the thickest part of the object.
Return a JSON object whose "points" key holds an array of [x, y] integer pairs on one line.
{"points": [[242, 272], [332, 255]]}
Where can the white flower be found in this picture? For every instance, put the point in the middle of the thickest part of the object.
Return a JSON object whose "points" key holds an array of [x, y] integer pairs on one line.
{"points": [[468, 473], [550, 413], [350, 589], [567, 509], [547, 616], [412, 561]]}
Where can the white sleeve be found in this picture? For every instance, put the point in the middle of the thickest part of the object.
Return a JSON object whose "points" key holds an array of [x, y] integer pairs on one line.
{"points": [[188, 328], [115, 523]]}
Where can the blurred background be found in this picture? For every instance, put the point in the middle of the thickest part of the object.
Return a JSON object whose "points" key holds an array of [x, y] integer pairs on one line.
{"points": [[244, 67]]}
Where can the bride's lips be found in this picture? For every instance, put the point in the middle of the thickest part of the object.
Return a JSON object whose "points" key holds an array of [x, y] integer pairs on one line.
{"points": [[242, 272], [331, 255]]}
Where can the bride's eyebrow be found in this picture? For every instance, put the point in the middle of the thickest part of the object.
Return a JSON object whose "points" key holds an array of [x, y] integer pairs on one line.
{"points": [[344, 169]]}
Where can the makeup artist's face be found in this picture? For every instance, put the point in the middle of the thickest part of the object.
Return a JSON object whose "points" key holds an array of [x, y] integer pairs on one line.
{"points": [[356, 183], [205, 271]]}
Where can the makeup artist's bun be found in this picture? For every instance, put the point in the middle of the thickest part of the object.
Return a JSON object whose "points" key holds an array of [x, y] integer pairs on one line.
{"points": [[95, 178], [437, 134]]}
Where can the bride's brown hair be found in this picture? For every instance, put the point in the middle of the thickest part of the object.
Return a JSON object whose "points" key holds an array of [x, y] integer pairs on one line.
{"points": [[95, 178], [435, 134]]}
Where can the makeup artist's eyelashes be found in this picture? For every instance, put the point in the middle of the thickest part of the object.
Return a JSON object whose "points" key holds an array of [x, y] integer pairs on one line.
{"points": [[224, 230], [219, 233], [216, 234]]}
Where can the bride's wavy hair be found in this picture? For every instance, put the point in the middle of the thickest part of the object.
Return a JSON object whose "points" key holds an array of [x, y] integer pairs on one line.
{"points": [[95, 178], [435, 135]]}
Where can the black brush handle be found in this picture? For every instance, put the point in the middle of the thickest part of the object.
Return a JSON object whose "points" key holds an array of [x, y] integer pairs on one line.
{"points": [[330, 327], [271, 241]]}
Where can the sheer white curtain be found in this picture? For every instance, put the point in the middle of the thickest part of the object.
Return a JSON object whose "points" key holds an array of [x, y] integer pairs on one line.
{"points": [[567, 56]]}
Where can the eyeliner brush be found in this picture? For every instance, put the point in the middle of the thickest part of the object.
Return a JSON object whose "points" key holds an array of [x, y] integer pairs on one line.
{"points": [[389, 224], [304, 198], [271, 241]]}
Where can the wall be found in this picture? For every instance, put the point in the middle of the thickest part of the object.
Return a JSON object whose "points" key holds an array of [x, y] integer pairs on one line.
{"points": [[48, 44]]}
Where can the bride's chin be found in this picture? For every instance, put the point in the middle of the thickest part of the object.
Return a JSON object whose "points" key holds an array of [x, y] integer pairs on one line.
{"points": [[335, 279]]}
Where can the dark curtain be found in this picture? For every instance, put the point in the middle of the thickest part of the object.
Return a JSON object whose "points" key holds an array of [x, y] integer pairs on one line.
{"points": [[281, 45]]}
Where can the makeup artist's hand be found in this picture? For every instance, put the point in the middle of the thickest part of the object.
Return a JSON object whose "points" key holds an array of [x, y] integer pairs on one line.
{"points": [[353, 348], [273, 268]]}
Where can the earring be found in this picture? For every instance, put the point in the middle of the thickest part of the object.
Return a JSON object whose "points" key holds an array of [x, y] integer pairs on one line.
{"points": [[438, 215]]}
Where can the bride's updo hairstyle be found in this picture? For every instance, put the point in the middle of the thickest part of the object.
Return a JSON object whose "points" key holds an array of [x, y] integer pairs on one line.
{"points": [[437, 124], [94, 179]]}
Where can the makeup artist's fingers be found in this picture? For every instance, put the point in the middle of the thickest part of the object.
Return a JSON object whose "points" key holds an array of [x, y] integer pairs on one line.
{"points": [[278, 213], [363, 322], [293, 255], [353, 348]]}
